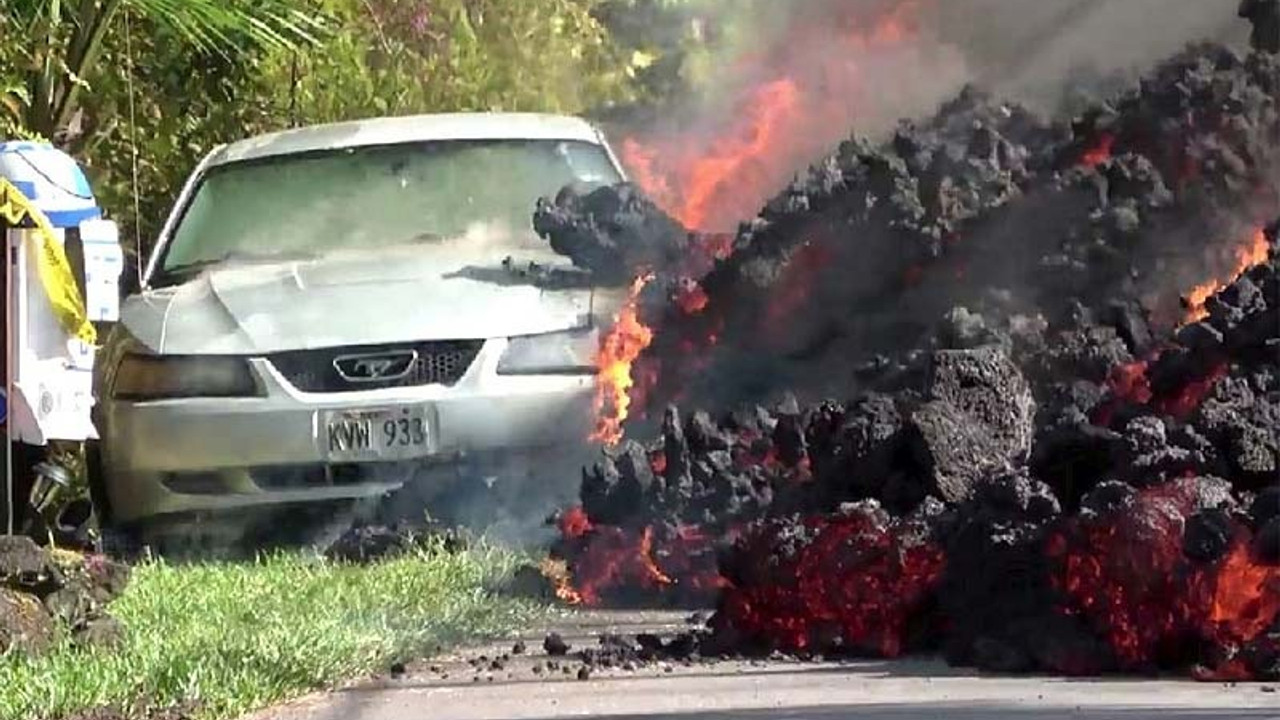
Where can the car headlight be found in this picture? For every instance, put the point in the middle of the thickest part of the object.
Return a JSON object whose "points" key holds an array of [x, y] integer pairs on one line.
{"points": [[152, 377], [562, 353]]}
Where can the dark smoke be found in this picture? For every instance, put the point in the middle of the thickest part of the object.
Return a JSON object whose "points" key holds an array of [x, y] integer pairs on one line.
{"points": [[852, 73]]}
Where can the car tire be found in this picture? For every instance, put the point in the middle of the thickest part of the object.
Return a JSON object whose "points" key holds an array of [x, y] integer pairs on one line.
{"points": [[96, 478], [119, 543], [114, 540]]}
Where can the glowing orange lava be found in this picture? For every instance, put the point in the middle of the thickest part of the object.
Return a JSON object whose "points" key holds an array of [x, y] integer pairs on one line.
{"points": [[1252, 253], [1100, 152], [574, 523], [1246, 599], [691, 298], [653, 572], [618, 351], [610, 558]]}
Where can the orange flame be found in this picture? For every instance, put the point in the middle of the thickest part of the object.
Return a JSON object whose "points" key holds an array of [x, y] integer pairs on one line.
{"points": [[640, 162], [609, 559], [653, 573], [701, 183], [1252, 253], [557, 572], [803, 105], [618, 351]]}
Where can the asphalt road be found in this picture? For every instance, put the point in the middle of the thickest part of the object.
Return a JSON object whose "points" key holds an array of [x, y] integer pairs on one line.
{"points": [[452, 688]]}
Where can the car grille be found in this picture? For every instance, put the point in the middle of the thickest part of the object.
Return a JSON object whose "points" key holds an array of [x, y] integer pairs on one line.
{"points": [[436, 363]]}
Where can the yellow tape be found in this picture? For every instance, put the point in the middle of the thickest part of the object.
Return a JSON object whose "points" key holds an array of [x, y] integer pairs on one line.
{"points": [[55, 272]]}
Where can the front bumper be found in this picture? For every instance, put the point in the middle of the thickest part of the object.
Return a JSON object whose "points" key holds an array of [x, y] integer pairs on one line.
{"points": [[194, 455]]}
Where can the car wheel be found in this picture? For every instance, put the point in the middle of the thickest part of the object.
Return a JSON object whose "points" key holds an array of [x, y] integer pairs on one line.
{"points": [[96, 479], [115, 540], [119, 543]]}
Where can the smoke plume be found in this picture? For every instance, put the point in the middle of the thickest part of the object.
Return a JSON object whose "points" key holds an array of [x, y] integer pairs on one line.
{"points": [[776, 85]]}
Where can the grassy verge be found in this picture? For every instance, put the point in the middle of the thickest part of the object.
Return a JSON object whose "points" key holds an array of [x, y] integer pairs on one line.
{"points": [[233, 638]]}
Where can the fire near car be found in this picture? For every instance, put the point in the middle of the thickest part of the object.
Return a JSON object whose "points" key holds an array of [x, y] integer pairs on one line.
{"points": [[330, 310]]}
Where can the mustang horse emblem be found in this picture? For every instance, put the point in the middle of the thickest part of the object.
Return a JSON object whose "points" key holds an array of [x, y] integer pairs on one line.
{"points": [[373, 368]]}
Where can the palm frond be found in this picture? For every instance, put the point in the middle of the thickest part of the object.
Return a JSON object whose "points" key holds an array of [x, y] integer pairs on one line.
{"points": [[68, 35], [216, 25]]}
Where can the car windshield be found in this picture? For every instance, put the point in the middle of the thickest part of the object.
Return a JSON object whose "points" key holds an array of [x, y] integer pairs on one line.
{"points": [[374, 197]]}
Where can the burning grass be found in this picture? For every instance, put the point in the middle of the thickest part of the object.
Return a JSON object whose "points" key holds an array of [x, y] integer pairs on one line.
{"points": [[231, 638]]}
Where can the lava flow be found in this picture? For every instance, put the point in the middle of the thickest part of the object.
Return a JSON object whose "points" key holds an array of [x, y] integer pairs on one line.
{"points": [[611, 563], [619, 348], [855, 580], [616, 558], [1124, 572], [1025, 466], [1246, 597]]}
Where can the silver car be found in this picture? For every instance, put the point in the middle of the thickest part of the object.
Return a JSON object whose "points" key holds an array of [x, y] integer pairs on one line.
{"points": [[330, 310]]}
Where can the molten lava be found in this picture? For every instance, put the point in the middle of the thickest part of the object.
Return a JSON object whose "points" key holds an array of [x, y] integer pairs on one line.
{"points": [[1247, 255], [1147, 574], [848, 581], [691, 298], [574, 523], [1129, 385], [1246, 597], [1123, 573], [618, 351], [1100, 152], [1181, 404], [610, 563]]}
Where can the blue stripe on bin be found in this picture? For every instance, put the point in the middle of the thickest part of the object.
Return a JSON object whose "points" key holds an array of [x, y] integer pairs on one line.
{"points": [[26, 188], [18, 146], [72, 218]]}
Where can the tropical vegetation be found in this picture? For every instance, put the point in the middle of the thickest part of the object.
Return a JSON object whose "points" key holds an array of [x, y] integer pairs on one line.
{"points": [[139, 90]]}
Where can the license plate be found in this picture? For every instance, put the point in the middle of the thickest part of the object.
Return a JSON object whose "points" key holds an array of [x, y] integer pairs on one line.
{"points": [[376, 434]]}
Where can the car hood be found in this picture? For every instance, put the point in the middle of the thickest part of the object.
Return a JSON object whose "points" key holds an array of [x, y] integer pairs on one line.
{"points": [[424, 292]]}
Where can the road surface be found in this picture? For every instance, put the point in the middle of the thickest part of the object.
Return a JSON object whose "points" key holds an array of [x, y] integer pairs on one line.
{"points": [[454, 688]]}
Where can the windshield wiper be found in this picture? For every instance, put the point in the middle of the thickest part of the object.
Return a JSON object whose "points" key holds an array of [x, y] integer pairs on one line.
{"points": [[179, 273]]}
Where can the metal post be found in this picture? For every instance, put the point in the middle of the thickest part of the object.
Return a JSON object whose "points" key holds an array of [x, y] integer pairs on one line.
{"points": [[9, 257]]}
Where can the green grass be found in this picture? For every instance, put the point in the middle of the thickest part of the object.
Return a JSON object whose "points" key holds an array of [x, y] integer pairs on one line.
{"points": [[236, 637]]}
